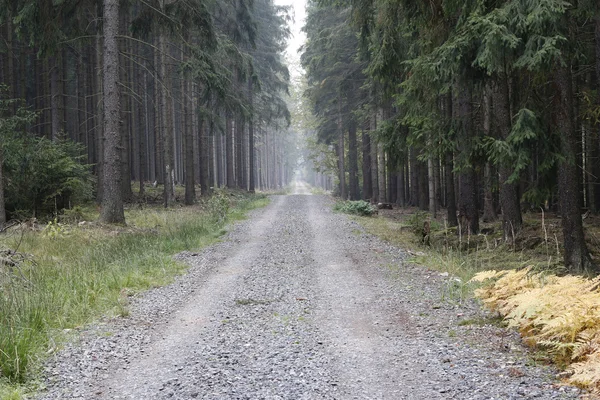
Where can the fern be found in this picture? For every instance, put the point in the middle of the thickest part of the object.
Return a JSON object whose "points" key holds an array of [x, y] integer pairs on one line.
{"points": [[559, 314]]}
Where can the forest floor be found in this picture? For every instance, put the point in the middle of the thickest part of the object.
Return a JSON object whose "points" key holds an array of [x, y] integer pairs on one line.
{"points": [[298, 302]]}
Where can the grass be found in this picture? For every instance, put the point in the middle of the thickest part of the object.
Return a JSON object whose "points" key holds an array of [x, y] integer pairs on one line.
{"points": [[463, 257], [72, 274]]}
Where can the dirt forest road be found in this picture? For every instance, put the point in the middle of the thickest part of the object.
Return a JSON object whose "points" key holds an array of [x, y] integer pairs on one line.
{"points": [[300, 303]]}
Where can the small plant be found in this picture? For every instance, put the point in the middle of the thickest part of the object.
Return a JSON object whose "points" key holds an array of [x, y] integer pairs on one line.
{"points": [[55, 229], [219, 204], [359, 207]]}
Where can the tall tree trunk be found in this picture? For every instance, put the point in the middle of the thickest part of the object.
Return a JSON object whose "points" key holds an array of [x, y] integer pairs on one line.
{"points": [[381, 170], [239, 134], [449, 165], [467, 207], [353, 162], [230, 183], [366, 166], [99, 120], [374, 161], [576, 256], [190, 181], [509, 198], [56, 98], [401, 184], [431, 183], [166, 120], [2, 201], [251, 149], [413, 165], [112, 202], [489, 211]]}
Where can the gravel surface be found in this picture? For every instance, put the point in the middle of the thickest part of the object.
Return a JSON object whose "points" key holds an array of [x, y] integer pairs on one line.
{"points": [[299, 303]]}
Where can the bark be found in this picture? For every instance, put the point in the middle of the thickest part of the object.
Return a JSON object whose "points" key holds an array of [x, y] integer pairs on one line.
{"points": [[99, 138], [450, 191], [401, 185], [489, 211], [423, 186], [431, 183], [576, 256], [366, 165], [449, 167], [112, 202], [381, 172], [190, 188], [56, 96], [353, 162], [239, 135], [509, 198], [595, 144], [467, 207], [413, 177], [229, 151], [374, 163], [167, 122], [2, 202]]}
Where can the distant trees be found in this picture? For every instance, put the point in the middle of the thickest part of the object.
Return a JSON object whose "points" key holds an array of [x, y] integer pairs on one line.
{"points": [[169, 91], [464, 104]]}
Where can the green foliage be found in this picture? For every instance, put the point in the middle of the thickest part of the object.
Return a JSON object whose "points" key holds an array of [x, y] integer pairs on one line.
{"points": [[62, 282], [359, 207], [44, 176], [219, 204]]}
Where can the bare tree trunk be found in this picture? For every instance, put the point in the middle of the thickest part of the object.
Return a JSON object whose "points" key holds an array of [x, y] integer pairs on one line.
{"points": [[112, 202], [401, 185], [341, 155], [509, 198], [449, 166], [229, 150], [2, 201], [431, 183], [576, 255], [56, 99], [381, 171], [353, 162], [489, 211], [366, 166], [251, 145], [190, 181], [467, 188], [413, 165], [167, 120], [374, 162]]}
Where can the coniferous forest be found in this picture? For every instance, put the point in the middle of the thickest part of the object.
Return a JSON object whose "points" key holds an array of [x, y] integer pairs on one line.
{"points": [[484, 108], [99, 94], [132, 131]]}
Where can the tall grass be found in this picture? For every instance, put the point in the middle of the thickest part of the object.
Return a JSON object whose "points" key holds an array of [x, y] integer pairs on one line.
{"points": [[73, 274]]}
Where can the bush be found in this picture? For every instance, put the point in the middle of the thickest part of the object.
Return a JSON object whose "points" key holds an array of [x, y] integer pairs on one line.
{"points": [[43, 176], [359, 207]]}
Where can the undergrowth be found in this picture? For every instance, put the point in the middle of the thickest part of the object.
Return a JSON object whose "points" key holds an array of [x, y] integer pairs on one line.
{"points": [[558, 314], [359, 207], [65, 275]]}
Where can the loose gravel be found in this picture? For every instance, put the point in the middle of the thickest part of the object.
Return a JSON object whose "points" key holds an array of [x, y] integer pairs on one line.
{"points": [[299, 303]]}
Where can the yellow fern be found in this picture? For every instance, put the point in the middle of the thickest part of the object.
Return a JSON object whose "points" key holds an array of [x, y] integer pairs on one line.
{"points": [[561, 314]]}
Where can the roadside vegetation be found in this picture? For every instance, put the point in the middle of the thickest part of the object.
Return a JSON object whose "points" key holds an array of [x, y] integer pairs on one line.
{"points": [[524, 281], [59, 276]]}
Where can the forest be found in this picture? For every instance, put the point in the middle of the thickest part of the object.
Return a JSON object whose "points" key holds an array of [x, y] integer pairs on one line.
{"points": [[97, 95], [488, 109]]}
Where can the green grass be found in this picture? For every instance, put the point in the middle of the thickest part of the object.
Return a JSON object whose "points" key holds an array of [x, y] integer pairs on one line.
{"points": [[446, 253], [75, 274]]}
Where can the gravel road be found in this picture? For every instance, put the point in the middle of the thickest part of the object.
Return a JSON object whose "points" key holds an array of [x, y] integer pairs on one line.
{"points": [[299, 303]]}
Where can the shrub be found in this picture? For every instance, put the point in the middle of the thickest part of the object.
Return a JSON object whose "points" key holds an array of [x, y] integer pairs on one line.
{"points": [[43, 176], [359, 207]]}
